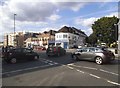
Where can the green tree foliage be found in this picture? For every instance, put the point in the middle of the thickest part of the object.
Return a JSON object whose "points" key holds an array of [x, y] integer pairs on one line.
{"points": [[104, 30]]}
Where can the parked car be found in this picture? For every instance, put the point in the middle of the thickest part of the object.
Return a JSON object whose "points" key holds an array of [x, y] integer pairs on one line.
{"points": [[18, 54], [55, 50], [99, 55]]}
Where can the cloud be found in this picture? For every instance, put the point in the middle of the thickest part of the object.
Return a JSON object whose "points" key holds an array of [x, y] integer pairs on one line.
{"points": [[85, 21], [112, 14], [74, 6], [54, 17], [30, 11], [88, 31]]}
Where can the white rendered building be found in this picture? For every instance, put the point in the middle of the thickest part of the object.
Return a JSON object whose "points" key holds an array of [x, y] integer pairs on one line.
{"points": [[69, 40]]}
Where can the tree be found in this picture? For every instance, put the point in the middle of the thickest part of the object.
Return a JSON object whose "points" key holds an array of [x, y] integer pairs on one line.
{"points": [[105, 30], [92, 39]]}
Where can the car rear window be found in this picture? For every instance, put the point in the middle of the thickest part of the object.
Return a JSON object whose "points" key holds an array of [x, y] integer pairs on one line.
{"points": [[98, 50]]}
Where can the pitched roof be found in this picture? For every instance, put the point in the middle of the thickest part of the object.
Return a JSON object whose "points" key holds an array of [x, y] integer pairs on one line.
{"points": [[73, 30]]}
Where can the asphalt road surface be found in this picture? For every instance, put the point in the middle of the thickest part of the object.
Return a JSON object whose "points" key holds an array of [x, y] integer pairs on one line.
{"points": [[60, 71]]}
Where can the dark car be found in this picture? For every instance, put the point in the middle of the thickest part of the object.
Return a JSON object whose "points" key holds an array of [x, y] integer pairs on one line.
{"points": [[99, 55], [55, 50], [18, 54]]}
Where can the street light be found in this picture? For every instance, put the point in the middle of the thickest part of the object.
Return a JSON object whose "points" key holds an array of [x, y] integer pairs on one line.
{"points": [[116, 33], [14, 28]]}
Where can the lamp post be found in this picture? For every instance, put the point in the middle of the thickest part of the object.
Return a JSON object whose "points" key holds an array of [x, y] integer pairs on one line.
{"points": [[116, 39], [116, 32], [14, 29]]}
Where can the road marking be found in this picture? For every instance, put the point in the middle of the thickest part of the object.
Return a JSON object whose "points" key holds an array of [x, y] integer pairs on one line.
{"points": [[70, 67], [90, 68], [55, 63], [80, 71], [51, 64], [69, 64], [83, 67], [94, 76], [109, 72], [24, 69], [113, 82], [94, 69]]}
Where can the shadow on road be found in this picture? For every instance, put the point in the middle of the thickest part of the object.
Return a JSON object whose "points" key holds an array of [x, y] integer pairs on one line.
{"points": [[45, 62]]}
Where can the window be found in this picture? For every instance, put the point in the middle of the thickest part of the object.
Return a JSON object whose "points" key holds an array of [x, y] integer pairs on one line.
{"points": [[91, 50], [98, 50], [59, 36], [85, 50], [64, 36]]}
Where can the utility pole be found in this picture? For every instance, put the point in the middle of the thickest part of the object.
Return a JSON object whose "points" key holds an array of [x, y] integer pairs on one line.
{"points": [[14, 29], [119, 39]]}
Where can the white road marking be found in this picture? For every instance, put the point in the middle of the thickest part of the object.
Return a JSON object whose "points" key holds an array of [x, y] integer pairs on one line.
{"points": [[94, 76], [90, 68], [95, 69], [80, 71], [24, 69], [69, 64], [113, 82], [83, 66], [55, 63], [109, 72], [51, 64], [70, 67]]}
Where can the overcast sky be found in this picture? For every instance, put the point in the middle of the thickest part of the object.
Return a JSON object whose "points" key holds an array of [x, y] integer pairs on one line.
{"points": [[39, 16]]}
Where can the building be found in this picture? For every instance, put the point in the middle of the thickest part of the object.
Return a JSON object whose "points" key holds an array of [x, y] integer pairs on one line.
{"points": [[69, 37], [17, 39], [10, 39], [42, 40], [1, 44]]}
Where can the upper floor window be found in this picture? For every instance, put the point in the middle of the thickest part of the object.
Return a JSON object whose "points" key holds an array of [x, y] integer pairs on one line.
{"points": [[60, 36], [64, 36]]}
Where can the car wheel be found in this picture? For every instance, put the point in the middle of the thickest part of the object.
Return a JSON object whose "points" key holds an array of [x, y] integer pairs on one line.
{"points": [[75, 57], [36, 57], [13, 60], [99, 60]]}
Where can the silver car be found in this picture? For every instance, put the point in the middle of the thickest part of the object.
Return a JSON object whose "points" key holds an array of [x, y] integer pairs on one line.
{"points": [[99, 55]]}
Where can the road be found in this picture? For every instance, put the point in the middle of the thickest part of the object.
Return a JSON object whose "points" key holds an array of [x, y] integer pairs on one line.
{"points": [[60, 71]]}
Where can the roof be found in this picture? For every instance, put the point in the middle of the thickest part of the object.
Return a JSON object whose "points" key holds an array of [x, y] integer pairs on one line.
{"points": [[73, 30]]}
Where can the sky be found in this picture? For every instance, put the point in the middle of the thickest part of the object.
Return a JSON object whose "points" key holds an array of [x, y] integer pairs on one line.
{"points": [[44, 15]]}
